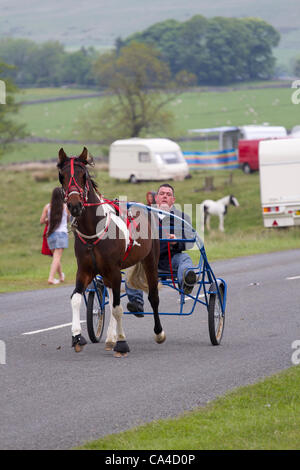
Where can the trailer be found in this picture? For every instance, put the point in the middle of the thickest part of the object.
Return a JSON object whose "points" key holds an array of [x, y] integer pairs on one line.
{"points": [[140, 159], [279, 164]]}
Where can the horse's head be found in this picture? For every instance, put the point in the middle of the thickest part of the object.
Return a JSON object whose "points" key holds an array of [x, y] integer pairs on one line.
{"points": [[233, 200], [73, 178]]}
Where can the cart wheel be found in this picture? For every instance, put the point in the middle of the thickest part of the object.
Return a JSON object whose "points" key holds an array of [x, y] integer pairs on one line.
{"points": [[216, 320], [95, 314]]}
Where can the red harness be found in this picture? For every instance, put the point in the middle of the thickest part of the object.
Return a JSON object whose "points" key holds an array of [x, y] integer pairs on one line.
{"points": [[74, 188]]}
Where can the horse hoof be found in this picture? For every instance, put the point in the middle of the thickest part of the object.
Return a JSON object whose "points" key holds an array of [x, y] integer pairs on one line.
{"points": [[109, 346], [161, 337], [78, 348], [78, 343], [121, 347], [118, 354]]}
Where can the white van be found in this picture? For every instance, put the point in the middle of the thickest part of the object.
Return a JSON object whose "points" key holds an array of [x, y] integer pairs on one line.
{"points": [[262, 132], [139, 159], [279, 167]]}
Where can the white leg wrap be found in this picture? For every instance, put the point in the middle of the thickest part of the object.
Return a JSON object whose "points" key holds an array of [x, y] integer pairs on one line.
{"points": [[118, 313], [111, 335], [75, 303]]}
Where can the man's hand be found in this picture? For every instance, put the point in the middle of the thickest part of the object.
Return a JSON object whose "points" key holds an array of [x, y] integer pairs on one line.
{"points": [[172, 237]]}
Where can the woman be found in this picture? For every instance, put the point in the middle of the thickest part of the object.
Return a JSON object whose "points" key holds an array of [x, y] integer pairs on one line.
{"points": [[56, 215]]}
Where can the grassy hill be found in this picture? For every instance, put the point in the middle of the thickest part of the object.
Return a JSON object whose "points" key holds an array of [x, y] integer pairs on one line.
{"points": [[99, 23]]}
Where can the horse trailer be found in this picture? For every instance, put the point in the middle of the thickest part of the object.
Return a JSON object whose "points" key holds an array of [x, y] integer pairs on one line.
{"points": [[139, 159], [279, 164]]}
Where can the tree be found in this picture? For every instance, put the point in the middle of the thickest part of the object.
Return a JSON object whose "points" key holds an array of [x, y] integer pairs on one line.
{"points": [[20, 54], [9, 129], [77, 67], [47, 64], [141, 87], [217, 50], [262, 38]]}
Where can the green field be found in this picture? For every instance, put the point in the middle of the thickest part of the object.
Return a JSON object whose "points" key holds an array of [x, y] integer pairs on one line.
{"points": [[198, 109]]}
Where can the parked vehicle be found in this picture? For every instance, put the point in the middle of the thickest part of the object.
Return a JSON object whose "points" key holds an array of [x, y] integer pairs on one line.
{"points": [[248, 148], [229, 136], [279, 163], [248, 155], [146, 159]]}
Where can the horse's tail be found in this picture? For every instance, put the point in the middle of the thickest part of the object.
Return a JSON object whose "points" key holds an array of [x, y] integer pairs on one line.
{"points": [[136, 277]]}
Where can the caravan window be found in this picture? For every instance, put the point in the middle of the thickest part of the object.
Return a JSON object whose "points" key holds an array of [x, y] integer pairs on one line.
{"points": [[170, 157], [144, 157]]}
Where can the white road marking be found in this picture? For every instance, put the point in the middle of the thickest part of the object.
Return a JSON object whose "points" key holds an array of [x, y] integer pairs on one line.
{"points": [[292, 277], [190, 298], [51, 328]]}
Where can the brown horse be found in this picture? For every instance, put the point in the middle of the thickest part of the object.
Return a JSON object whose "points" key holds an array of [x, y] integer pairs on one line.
{"points": [[104, 245]]}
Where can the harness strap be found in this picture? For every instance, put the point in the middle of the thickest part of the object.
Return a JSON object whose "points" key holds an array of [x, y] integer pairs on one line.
{"points": [[99, 234], [129, 223]]}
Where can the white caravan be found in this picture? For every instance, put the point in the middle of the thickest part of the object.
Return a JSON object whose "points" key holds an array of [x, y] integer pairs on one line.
{"points": [[146, 159], [279, 170]]}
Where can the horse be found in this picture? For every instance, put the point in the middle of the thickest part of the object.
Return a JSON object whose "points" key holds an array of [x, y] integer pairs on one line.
{"points": [[218, 208], [104, 245]]}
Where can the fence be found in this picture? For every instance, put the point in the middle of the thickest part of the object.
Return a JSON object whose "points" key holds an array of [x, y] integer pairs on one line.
{"points": [[216, 160]]}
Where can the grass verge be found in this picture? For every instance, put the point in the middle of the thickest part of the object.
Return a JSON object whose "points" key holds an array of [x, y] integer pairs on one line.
{"points": [[264, 416]]}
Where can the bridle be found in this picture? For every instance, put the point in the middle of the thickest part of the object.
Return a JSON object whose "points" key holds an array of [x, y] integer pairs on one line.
{"points": [[73, 186]]}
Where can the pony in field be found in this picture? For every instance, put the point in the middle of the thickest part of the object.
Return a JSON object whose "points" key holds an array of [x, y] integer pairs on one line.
{"points": [[105, 245], [218, 208]]}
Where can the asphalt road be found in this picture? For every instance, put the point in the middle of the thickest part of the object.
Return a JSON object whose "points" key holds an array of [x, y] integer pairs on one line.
{"points": [[53, 398]]}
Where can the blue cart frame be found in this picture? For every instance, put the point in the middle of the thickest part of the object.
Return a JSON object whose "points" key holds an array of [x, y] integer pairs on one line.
{"points": [[208, 291]]}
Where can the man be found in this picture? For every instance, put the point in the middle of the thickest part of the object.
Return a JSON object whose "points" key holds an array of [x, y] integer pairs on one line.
{"points": [[172, 229]]}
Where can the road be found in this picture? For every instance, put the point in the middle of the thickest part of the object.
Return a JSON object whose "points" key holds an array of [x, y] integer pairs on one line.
{"points": [[53, 398]]}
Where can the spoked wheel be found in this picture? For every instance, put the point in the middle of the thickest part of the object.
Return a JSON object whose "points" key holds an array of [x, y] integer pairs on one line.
{"points": [[216, 319], [95, 314]]}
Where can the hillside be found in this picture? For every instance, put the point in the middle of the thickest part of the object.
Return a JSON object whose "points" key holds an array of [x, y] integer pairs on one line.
{"points": [[99, 22]]}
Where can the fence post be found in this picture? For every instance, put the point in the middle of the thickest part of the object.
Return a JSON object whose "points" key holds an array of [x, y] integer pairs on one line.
{"points": [[208, 183]]}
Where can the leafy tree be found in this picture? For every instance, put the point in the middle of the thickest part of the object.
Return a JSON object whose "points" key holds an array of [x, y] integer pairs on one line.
{"points": [[76, 67], [262, 38], [141, 87], [9, 129], [47, 64], [217, 50], [20, 54]]}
